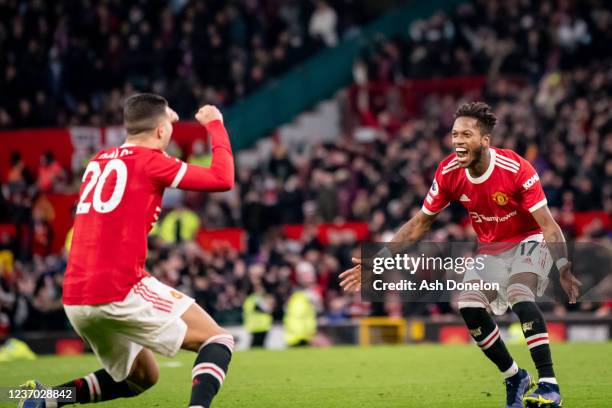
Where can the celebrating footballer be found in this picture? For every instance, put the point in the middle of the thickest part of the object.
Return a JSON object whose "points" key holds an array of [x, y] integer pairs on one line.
{"points": [[509, 213], [111, 301]]}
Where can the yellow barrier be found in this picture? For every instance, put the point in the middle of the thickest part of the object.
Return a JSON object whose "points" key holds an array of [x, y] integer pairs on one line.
{"points": [[394, 330]]}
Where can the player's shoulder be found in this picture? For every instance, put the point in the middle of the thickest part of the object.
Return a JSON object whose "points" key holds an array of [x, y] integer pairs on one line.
{"points": [[510, 156], [509, 160], [157, 154], [449, 165]]}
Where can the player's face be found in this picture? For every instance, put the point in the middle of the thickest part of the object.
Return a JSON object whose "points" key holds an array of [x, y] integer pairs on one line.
{"points": [[468, 142], [165, 127]]}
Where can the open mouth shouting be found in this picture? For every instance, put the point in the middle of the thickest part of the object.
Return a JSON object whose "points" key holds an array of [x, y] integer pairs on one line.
{"points": [[462, 156]]}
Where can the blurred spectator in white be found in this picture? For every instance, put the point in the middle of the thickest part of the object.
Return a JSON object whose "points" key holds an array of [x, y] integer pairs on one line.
{"points": [[322, 24]]}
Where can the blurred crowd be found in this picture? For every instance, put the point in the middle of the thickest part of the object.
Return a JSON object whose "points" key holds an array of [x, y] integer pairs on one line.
{"points": [[557, 116], [71, 63], [517, 37]]}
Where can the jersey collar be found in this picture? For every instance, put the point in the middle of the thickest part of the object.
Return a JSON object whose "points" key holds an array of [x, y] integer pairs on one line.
{"points": [[485, 176]]}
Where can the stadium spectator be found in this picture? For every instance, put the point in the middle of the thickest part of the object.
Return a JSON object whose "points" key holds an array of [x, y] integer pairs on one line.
{"points": [[18, 174], [322, 26], [50, 172], [257, 315], [300, 315], [199, 155], [180, 224]]}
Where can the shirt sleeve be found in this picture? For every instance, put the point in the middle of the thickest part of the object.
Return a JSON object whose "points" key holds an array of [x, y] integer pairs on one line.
{"points": [[171, 172], [437, 197], [165, 170], [532, 194]]}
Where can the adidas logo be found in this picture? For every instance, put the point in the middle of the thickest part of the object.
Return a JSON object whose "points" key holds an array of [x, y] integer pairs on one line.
{"points": [[464, 198]]}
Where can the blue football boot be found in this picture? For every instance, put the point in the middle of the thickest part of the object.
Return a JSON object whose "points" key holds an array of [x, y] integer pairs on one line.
{"points": [[516, 387], [545, 396], [36, 402]]}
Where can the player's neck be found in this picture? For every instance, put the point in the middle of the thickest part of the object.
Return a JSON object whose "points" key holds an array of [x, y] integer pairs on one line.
{"points": [[142, 142], [482, 165]]}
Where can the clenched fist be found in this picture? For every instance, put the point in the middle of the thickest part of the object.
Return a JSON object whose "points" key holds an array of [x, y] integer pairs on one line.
{"points": [[207, 114], [172, 115]]}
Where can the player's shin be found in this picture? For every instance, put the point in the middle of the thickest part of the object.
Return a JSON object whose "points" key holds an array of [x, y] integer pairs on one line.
{"points": [[210, 369], [533, 324], [99, 386], [484, 330]]}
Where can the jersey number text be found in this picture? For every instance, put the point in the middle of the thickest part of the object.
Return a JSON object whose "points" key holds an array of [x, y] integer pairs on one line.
{"points": [[96, 183]]}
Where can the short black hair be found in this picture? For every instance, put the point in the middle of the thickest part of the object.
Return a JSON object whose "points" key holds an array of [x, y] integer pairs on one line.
{"points": [[142, 111], [481, 112]]}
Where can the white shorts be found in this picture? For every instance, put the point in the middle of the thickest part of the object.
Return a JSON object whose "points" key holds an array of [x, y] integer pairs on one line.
{"points": [[530, 255], [149, 316]]}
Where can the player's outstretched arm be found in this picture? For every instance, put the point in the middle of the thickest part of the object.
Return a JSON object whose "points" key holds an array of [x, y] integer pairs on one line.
{"points": [[412, 231], [220, 175], [558, 249]]}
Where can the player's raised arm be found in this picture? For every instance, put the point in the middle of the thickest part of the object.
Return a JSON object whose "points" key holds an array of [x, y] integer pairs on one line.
{"points": [[167, 171], [220, 175]]}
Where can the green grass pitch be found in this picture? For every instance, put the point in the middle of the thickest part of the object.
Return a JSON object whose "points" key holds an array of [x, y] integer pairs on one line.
{"points": [[381, 376]]}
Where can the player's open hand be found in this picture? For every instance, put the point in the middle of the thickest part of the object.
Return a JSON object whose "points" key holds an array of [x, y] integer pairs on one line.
{"points": [[569, 283], [207, 114], [350, 280]]}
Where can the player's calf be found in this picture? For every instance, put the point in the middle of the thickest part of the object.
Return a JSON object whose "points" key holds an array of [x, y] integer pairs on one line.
{"points": [[210, 369], [100, 386], [214, 347], [522, 301], [473, 305]]}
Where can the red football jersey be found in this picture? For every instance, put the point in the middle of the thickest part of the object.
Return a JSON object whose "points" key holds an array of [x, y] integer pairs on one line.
{"points": [[500, 201], [120, 200]]}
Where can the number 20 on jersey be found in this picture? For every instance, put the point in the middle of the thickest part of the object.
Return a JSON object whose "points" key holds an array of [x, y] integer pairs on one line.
{"points": [[96, 183]]}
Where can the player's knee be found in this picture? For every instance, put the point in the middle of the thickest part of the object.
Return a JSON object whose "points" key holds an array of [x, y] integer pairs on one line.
{"points": [[472, 299], [196, 342], [151, 377], [143, 377], [517, 292], [223, 338]]}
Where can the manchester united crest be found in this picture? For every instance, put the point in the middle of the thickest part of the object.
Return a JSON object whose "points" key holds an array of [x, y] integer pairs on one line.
{"points": [[500, 198]]}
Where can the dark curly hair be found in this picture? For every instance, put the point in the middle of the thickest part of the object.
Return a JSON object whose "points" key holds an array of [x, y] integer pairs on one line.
{"points": [[481, 112]]}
